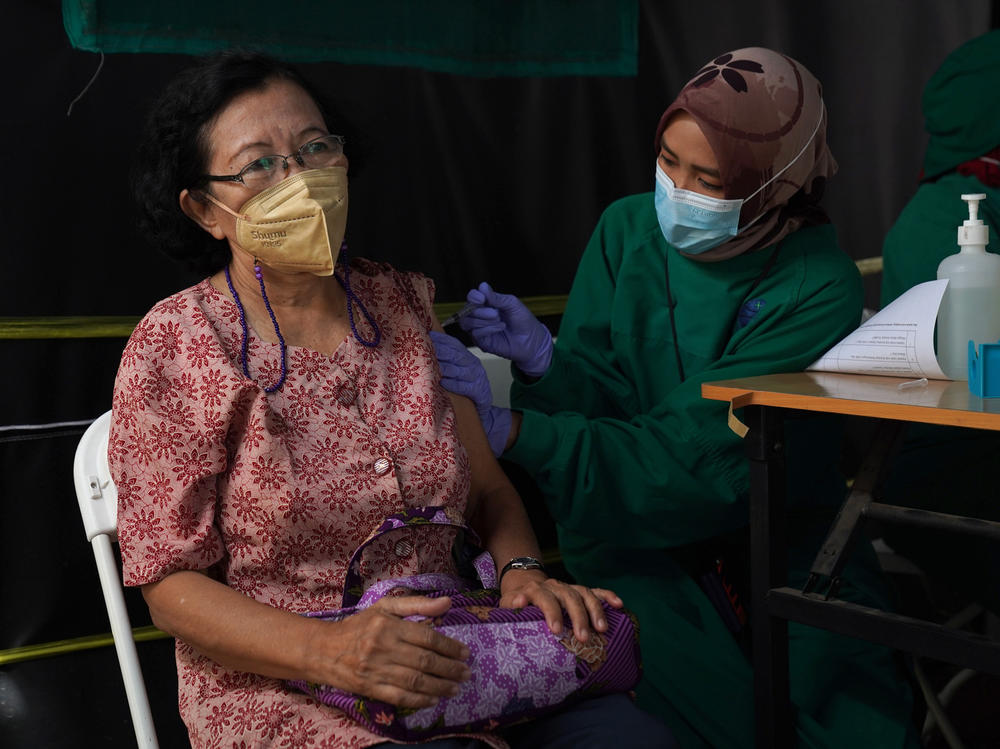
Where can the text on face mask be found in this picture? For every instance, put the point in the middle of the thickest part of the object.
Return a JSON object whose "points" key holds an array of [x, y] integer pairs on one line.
{"points": [[269, 238]]}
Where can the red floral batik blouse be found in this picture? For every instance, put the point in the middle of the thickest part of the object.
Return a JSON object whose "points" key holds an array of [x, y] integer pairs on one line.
{"points": [[272, 492]]}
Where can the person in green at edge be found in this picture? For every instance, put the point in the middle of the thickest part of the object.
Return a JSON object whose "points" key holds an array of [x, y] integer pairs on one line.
{"points": [[944, 468], [730, 268]]}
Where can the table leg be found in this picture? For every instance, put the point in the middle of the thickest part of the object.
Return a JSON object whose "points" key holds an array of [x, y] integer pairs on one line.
{"points": [[824, 574], [768, 569]]}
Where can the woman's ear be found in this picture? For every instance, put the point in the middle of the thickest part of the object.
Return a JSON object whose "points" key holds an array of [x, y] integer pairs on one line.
{"points": [[201, 211]]}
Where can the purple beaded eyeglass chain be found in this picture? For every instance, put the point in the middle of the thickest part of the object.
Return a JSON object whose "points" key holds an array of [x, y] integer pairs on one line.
{"points": [[243, 324], [351, 297]]}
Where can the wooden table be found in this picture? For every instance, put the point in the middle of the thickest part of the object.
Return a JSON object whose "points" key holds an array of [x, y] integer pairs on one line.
{"points": [[766, 401]]}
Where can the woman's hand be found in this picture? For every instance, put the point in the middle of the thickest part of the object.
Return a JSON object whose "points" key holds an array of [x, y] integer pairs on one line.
{"points": [[378, 654], [523, 587]]}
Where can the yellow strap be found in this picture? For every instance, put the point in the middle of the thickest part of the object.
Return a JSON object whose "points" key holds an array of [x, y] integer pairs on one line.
{"points": [[540, 306], [741, 400], [869, 266], [61, 647], [109, 326], [121, 326]]}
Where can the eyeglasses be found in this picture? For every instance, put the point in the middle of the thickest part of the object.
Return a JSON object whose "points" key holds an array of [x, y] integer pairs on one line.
{"points": [[268, 170]]}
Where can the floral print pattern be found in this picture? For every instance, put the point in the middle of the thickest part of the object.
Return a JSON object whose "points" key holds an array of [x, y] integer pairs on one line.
{"points": [[728, 68], [520, 670], [271, 493]]}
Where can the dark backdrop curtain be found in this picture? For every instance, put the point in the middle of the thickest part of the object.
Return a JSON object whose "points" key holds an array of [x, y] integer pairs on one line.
{"points": [[466, 179]]}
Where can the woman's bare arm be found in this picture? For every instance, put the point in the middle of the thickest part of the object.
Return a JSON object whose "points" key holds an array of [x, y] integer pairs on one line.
{"points": [[375, 653], [497, 514]]}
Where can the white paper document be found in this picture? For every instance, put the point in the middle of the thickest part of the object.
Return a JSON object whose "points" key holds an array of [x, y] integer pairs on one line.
{"points": [[896, 341]]}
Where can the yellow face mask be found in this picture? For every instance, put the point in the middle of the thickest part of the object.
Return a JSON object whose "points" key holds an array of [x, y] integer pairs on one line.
{"points": [[298, 224]]}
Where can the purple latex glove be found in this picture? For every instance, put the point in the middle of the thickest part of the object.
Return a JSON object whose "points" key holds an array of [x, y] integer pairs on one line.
{"points": [[502, 325], [462, 373]]}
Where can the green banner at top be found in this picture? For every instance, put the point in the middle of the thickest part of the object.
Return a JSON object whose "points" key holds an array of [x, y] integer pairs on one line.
{"points": [[468, 37]]}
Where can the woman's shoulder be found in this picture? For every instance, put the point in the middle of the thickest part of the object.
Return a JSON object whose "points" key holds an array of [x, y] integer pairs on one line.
{"points": [[819, 246], [632, 208], [816, 238], [381, 271], [937, 209], [184, 312], [183, 303], [628, 224], [172, 323], [816, 265], [398, 289]]}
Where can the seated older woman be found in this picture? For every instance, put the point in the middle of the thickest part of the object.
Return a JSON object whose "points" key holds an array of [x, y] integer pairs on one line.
{"points": [[267, 419]]}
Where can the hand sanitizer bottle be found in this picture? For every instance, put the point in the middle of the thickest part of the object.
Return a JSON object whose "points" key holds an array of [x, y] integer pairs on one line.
{"points": [[970, 308]]}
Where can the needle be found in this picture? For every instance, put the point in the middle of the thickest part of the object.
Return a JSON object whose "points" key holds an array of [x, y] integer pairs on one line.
{"points": [[469, 306]]}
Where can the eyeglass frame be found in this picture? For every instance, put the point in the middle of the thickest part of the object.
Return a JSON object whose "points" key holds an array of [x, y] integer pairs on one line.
{"points": [[238, 177]]}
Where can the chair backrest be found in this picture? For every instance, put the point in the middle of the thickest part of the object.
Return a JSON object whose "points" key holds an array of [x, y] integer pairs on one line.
{"points": [[98, 500], [95, 491]]}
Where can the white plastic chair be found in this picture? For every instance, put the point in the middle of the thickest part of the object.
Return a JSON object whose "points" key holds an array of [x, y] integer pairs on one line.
{"points": [[98, 499]]}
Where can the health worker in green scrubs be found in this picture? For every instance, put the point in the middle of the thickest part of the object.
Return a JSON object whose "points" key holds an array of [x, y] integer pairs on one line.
{"points": [[946, 468], [729, 268], [962, 118]]}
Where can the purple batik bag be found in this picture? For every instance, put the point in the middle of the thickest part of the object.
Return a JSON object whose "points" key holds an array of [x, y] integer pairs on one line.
{"points": [[520, 670]]}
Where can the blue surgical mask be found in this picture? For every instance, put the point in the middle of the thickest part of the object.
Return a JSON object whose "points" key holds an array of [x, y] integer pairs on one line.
{"points": [[693, 222], [696, 223]]}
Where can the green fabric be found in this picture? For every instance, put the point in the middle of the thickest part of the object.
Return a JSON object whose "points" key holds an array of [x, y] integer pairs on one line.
{"points": [[926, 231], [961, 106], [634, 465], [483, 38], [847, 692], [630, 414], [942, 468]]}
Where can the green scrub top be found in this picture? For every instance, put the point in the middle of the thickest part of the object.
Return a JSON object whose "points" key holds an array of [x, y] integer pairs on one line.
{"points": [[926, 231], [637, 468], [938, 468]]}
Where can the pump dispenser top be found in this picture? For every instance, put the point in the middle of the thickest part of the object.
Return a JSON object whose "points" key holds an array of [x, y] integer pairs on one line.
{"points": [[970, 307], [973, 233]]}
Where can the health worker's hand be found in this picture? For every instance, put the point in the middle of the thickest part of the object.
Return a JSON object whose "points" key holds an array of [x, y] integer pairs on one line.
{"points": [[502, 325], [523, 587], [462, 373], [379, 654]]}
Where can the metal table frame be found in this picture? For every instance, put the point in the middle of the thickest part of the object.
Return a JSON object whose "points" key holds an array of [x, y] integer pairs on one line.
{"points": [[767, 401]]}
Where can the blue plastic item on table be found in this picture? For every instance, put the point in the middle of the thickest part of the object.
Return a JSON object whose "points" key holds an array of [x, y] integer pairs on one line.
{"points": [[984, 370]]}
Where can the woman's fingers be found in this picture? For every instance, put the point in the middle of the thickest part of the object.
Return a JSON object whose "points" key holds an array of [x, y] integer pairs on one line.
{"points": [[551, 606], [574, 601], [402, 662], [608, 596], [593, 598], [407, 687], [409, 605], [421, 674], [595, 610], [433, 666], [423, 635], [410, 664], [432, 653], [553, 597]]}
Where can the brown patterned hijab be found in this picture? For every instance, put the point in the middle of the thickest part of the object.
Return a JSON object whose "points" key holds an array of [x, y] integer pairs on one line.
{"points": [[764, 117]]}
